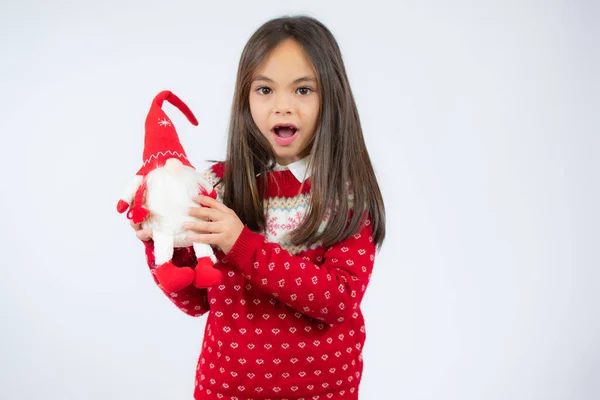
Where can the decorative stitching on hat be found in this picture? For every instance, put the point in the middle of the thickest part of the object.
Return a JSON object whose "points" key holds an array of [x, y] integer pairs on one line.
{"points": [[173, 153]]}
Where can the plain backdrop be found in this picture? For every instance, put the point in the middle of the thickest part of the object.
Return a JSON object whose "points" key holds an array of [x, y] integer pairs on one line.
{"points": [[481, 118]]}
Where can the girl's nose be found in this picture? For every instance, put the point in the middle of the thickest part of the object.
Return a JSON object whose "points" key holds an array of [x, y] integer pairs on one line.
{"points": [[282, 106]]}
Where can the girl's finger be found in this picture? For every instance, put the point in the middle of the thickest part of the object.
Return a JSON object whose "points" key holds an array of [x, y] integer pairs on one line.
{"points": [[206, 238], [205, 213], [136, 227], [210, 202], [202, 226], [144, 234]]}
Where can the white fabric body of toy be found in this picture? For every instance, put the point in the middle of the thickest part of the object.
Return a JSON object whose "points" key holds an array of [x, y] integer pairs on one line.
{"points": [[169, 194]]}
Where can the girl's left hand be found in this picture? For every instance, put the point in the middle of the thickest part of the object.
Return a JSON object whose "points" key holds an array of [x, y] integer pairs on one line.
{"points": [[221, 227]]}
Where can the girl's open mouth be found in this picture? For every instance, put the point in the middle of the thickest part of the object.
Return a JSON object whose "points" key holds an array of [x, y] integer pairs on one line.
{"points": [[285, 134]]}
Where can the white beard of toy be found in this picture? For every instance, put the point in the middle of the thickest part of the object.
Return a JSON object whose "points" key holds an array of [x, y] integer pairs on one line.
{"points": [[169, 194]]}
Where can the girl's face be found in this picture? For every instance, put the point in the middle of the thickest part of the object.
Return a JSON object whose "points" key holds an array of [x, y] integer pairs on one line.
{"points": [[285, 101]]}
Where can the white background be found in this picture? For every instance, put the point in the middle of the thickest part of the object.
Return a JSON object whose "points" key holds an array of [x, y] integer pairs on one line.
{"points": [[482, 121]]}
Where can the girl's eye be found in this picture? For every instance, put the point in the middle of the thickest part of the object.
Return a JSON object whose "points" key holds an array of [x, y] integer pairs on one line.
{"points": [[263, 90], [304, 90]]}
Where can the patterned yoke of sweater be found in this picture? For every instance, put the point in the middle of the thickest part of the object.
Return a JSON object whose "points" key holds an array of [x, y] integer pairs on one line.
{"points": [[285, 322]]}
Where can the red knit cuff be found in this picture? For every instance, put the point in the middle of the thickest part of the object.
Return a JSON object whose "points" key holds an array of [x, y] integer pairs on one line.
{"points": [[241, 254], [149, 244]]}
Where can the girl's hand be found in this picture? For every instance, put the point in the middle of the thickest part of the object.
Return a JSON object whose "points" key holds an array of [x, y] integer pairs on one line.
{"points": [[142, 234], [221, 227]]}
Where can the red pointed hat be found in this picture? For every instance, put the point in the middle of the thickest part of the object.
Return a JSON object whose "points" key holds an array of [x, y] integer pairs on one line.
{"points": [[161, 141]]}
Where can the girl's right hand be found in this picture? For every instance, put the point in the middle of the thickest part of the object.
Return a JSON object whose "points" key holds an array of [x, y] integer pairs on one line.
{"points": [[142, 234]]}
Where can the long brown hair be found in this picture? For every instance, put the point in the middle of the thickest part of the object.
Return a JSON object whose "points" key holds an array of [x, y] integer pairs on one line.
{"points": [[339, 162]]}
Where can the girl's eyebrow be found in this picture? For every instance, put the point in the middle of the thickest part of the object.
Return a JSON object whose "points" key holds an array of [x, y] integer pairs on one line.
{"points": [[302, 79]]}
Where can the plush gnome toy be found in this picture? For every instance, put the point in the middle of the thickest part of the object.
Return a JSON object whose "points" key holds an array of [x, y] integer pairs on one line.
{"points": [[159, 197]]}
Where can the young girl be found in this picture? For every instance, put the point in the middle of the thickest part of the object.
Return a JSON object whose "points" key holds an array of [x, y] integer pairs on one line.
{"points": [[296, 226]]}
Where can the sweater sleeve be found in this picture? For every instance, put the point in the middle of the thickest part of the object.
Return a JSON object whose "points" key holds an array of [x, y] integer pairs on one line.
{"points": [[190, 300], [330, 292]]}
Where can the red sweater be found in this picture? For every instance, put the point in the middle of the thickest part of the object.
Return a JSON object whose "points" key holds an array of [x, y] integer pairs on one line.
{"points": [[285, 323]]}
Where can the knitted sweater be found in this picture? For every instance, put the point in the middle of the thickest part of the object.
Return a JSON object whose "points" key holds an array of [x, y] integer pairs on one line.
{"points": [[285, 322]]}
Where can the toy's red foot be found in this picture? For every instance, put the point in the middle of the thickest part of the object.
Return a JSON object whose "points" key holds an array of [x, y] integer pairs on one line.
{"points": [[206, 275], [173, 278]]}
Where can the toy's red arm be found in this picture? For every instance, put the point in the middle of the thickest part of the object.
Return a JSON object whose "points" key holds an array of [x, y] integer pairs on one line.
{"points": [[127, 196]]}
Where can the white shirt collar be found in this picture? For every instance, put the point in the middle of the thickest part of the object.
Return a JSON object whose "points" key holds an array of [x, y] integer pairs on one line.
{"points": [[298, 168]]}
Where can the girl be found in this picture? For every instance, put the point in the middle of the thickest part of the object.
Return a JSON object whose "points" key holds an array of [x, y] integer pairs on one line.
{"points": [[298, 221]]}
